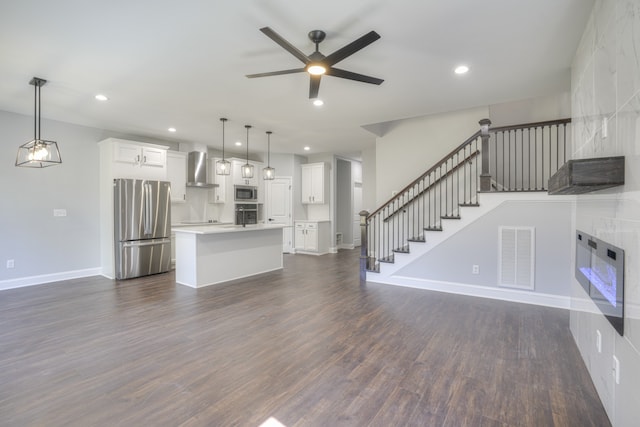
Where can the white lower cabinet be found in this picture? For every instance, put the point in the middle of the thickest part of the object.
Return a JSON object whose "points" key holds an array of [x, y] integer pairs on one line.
{"points": [[312, 237]]}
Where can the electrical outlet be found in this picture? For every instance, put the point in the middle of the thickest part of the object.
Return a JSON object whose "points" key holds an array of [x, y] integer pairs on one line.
{"points": [[10, 263], [616, 369], [598, 341], [59, 212], [475, 269]]}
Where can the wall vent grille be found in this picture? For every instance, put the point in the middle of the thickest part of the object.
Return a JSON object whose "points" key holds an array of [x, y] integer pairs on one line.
{"points": [[516, 260]]}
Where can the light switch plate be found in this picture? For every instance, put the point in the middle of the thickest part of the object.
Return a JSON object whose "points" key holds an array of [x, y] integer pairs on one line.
{"points": [[598, 341], [616, 369], [59, 212]]}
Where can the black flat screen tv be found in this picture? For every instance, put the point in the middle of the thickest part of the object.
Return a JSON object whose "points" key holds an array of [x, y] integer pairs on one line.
{"points": [[600, 271]]}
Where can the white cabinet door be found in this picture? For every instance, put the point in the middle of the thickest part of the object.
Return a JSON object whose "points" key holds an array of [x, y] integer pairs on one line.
{"points": [[236, 172], [153, 157], [139, 160], [306, 184], [299, 236], [127, 153], [177, 175], [217, 194], [311, 237], [317, 183], [313, 183]]}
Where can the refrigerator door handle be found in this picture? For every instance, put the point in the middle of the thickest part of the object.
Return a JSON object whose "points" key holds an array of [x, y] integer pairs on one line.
{"points": [[147, 208], [145, 243]]}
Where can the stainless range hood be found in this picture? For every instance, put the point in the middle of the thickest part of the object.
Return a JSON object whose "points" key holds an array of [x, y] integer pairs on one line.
{"points": [[197, 170]]}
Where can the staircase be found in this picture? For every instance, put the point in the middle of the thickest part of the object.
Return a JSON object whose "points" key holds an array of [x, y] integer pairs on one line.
{"points": [[501, 160]]}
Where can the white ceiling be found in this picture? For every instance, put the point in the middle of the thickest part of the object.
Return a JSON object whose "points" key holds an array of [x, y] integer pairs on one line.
{"points": [[182, 63]]}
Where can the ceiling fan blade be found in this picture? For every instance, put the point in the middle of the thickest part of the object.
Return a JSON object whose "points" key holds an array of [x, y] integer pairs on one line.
{"points": [[351, 48], [276, 73], [314, 86], [336, 72], [285, 44]]}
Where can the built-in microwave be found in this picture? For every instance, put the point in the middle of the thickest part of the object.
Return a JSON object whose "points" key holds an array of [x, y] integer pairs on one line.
{"points": [[245, 193]]}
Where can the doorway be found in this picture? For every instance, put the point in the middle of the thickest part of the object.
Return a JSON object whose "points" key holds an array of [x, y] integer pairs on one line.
{"points": [[279, 199]]}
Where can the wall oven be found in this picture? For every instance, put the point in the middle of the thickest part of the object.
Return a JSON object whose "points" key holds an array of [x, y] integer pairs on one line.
{"points": [[245, 193], [246, 213]]}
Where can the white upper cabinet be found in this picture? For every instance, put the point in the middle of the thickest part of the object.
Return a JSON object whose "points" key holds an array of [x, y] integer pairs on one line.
{"points": [[314, 185], [138, 160], [217, 194], [236, 173], [177, 175]]}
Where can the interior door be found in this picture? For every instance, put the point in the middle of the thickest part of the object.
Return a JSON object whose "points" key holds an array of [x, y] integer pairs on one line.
{"points": [[278, 202]]}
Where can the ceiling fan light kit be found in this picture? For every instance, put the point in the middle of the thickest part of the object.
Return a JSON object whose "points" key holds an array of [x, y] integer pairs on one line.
{"points": [[317, 64]]}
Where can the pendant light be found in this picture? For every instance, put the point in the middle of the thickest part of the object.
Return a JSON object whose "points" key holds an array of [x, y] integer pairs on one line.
{"points": [[268, 173], [223, 167], [247, 169], [38, 153]]}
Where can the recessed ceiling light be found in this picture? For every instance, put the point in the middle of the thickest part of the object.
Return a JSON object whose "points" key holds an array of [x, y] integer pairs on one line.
{"points": [[172, 129], [307, 148], [461, 69], [238, 143], [318, 102], [101, 97]]}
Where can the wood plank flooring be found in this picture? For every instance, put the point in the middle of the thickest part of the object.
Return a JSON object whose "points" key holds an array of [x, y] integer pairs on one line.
{"points": [[308, 346]]}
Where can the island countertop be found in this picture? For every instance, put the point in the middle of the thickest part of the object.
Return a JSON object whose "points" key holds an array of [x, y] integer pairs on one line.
{"points": [[227, 228]]}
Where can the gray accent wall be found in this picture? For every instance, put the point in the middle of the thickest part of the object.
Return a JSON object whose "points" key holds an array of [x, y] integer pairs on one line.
{"points": [[477, 244], [38, 242]]}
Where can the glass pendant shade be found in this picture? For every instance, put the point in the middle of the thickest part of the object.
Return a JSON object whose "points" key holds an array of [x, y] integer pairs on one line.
{"points": [[247, 169], [268, 173], [223, 167], [38, 153]]}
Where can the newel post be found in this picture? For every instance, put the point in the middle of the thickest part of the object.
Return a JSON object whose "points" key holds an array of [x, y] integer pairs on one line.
{"points": [[485, 176], [363, 246]]}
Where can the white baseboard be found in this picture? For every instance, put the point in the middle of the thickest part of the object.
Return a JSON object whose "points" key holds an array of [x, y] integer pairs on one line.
{"points": [[513, 295], [48, 278]]}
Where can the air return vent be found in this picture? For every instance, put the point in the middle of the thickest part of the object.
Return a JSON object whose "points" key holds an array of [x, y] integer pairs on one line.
{"points": [[516, 264]]}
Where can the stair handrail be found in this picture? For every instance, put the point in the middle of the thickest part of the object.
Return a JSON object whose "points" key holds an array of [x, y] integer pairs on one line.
{"points": [[529, 125], [429, 171]]}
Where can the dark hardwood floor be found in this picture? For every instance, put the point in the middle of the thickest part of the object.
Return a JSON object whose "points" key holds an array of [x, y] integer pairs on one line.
{"points": [[308, 346]]}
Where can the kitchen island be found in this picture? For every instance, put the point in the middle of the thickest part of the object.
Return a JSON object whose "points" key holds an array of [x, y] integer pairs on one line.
{"points": [[210, 254]]}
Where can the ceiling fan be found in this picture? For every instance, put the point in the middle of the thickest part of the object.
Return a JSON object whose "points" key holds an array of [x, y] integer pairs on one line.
{"points": [[316, 64]]}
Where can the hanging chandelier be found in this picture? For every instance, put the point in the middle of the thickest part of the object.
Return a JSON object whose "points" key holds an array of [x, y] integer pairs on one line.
{"points": [[38, 153], [268, 173], [247, 169], [223, 167]]}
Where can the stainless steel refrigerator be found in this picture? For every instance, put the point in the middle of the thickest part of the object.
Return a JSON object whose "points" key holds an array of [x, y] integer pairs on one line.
{"points": [[142, 228]]}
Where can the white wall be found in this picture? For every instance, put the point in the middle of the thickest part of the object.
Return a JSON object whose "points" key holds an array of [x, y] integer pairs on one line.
{"points": [[412, 146], [369, 179], [606, 84], [540, 109]]}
